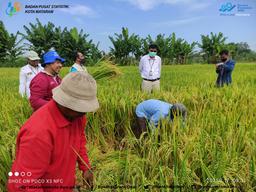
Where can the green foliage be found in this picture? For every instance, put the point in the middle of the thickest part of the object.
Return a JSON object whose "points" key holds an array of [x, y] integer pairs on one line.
{"points": [[65, 42], [4, 36], [77, 41], [19, 62], [10, 48], [211, 45], [5, 166], [125, 46], [42, 37], [171, 50], [241, 51]]}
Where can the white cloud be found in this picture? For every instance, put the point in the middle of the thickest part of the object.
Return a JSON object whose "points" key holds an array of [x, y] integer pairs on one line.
{"points": [[199, 6], [176, 22], [146, 5], [79, 10], [109, 31]]}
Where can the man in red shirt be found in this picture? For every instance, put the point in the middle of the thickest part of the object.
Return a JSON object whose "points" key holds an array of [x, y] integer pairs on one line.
{"points": [[52, 140], [42, 84]]}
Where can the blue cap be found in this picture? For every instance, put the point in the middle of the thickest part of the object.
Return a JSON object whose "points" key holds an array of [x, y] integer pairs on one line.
{"points": [[51, 57]]}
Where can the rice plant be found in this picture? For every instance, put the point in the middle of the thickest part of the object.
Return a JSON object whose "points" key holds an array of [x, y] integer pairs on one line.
{"points": [[214, 151]]}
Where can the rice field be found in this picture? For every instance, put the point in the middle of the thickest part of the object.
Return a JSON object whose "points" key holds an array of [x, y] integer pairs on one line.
{"points": [[214, 151]]}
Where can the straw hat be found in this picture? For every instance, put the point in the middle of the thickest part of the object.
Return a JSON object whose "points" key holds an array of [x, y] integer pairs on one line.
{"points": [[77, 91]]}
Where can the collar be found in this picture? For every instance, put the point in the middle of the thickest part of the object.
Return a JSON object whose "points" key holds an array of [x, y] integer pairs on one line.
{"points": [[33, 66], [227, 61], [151, 58], [78, 65], [49, 74], [60, 120]]}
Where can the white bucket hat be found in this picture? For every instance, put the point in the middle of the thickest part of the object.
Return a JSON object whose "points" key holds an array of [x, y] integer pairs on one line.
{"points": [[32, 55], [77, 91]]}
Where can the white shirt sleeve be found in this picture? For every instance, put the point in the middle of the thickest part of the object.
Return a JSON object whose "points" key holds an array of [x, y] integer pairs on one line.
{"points": [[141, 65], [22, 86], [160, 66]]}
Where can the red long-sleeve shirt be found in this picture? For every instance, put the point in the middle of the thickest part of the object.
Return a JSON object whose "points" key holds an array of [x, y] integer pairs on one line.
{"points": [[45, 156], [41, 89]]}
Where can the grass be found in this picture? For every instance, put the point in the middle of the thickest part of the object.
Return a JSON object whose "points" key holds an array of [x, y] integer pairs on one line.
{"points": [[217, 146]]}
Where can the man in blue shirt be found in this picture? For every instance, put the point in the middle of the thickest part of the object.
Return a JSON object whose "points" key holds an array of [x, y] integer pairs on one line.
{"points": [[153, 110], [224, 69]]}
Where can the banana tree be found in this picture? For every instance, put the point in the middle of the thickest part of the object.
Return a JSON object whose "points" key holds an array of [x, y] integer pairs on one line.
{"points": [[125, 46], [42, 37], [211, 45], [73, 41], [10, 46]]}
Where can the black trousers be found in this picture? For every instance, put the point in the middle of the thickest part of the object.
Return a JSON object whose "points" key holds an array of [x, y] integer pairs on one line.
{"points": [[140, 126]]}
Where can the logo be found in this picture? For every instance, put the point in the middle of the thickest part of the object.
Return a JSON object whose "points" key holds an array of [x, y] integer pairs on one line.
{"points": [[12, 9], [227, 7]]}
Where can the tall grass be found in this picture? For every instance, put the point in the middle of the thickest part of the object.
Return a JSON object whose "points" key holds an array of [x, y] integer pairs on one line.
{"points": [[216, 147]]}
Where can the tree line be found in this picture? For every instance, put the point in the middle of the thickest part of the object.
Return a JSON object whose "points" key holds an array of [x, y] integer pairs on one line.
{"points": [[126, 48]]}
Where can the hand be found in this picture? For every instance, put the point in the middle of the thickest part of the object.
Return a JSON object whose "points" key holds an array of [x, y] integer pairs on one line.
{"points": [[218, 64], [88, 179]]}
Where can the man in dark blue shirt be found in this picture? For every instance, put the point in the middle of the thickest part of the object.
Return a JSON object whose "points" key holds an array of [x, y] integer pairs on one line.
{"points": [[224, 69]]}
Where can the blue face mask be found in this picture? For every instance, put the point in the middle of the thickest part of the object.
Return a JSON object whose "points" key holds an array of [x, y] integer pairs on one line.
{"points": [[152, 54]]}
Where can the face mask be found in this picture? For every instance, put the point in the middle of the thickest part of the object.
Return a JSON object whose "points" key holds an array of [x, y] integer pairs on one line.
{"points": [[152, 54], [223, 60], [82, 61]]}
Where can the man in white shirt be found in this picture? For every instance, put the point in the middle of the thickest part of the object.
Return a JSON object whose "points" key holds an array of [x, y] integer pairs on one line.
{"points": [[150, 70], [79, 63], [28, 72]]}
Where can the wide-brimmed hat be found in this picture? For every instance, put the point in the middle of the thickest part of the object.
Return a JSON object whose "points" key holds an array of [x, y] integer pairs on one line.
{"points": [[51, 57], [77, 91], [32, 55]]}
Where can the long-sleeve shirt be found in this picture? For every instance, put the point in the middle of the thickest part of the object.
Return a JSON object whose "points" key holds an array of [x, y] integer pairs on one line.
{"points": [[150, 68], [225, 72], [76, 67], [27, 73], [41, 89], [46, 152], [153, 110]]}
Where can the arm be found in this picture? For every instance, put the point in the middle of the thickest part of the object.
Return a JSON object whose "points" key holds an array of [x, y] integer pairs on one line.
{"points": [[83, 162], [22, 86], [219, 67], [141, 65], [33, 155], [229, 66], [155, 118], [160, 67], [38, 91]]}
